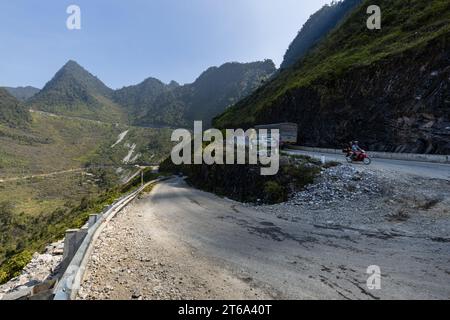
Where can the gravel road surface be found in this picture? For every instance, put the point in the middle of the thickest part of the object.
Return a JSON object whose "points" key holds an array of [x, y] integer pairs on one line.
{"points": [[181, 243]]}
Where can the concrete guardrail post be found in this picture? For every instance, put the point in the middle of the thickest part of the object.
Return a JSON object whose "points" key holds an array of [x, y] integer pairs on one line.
{"points": [[93, 218], [70, 243]]}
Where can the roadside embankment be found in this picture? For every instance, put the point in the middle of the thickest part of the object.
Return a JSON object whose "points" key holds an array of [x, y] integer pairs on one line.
{"points": [[436, 158]]}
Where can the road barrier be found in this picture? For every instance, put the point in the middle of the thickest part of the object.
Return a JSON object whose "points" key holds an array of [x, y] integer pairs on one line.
{"points": [[434, 158], [78, 247]]}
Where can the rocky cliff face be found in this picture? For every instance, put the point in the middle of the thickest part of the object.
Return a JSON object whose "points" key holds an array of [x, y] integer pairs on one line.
{"points": [[400, 104]]}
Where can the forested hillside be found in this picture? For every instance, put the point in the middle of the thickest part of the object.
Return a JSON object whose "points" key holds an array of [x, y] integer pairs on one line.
{"points": [[316, 28], [12, 112]]}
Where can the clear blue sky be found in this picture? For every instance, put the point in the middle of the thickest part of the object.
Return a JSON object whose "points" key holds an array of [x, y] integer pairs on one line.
{"points": [[123, 42]]}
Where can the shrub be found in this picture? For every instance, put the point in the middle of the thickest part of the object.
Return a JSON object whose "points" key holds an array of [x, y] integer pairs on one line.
{"points": [[301, 175], [274, 193], [13, 267], [3, 277]]}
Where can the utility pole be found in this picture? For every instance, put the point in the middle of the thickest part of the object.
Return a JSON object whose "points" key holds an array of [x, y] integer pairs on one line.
{"points": [[142, 177]]}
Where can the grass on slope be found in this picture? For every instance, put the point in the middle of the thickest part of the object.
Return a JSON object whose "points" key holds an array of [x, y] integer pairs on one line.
{"points": [[52, 143], [406, 24], [21, 234], [36, 211]]}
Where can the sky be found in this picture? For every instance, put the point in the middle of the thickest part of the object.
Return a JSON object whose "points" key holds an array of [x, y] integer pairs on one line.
{"points": [[124, 42]]}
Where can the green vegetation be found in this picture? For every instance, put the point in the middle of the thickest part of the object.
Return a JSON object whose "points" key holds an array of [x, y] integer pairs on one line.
{"points": [[245, 183], [273, 192], [51, 144], [12, 112], [152, 146], [156, 104], [22, 93], [22, 233], [141, 98], [14, 266], [36, 211], [316, 28], [75, 92], [407, 25]]}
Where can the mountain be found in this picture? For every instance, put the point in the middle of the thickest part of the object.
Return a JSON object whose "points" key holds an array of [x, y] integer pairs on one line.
{"points": [[211, 93], [137, 99], [12, 112], [316, 28], [73, 91], [387, 88], [22, 93]]}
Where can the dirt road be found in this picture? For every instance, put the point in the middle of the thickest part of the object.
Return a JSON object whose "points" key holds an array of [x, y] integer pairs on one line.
{"points": [[179, 242], [41, 175]]}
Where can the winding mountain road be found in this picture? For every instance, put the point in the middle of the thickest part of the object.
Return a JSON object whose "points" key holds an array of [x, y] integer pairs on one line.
{"points": [[275, 258], [422, 169]]}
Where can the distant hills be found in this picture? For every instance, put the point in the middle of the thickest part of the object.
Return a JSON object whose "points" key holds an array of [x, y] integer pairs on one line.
{"points": [[75, 92], [388, 88], [12, 112], [138, 100], [316, 28], [214, 90], [22, 93]]}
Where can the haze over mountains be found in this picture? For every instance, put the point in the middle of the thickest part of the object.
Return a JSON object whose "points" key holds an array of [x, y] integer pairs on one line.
{"points": [[214, 90], [22, 93], [75, 92]]}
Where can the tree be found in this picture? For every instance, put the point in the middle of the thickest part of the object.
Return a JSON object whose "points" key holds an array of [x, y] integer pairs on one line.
{"points": [[6, 213]]}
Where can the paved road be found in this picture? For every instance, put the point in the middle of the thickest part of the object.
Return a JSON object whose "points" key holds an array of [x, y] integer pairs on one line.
{"points": [[423, 169], [297, 260]]}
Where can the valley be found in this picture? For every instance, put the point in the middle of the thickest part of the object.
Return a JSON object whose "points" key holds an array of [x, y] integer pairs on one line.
{"points": [[67, 149], [311, 230], [54, 171]]}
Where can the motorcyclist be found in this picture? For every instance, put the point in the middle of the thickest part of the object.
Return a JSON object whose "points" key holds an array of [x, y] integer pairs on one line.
{"points": [[356, 150]]}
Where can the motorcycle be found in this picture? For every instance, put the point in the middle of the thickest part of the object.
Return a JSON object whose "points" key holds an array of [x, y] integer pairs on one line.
{"points": [[362, 156]]}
